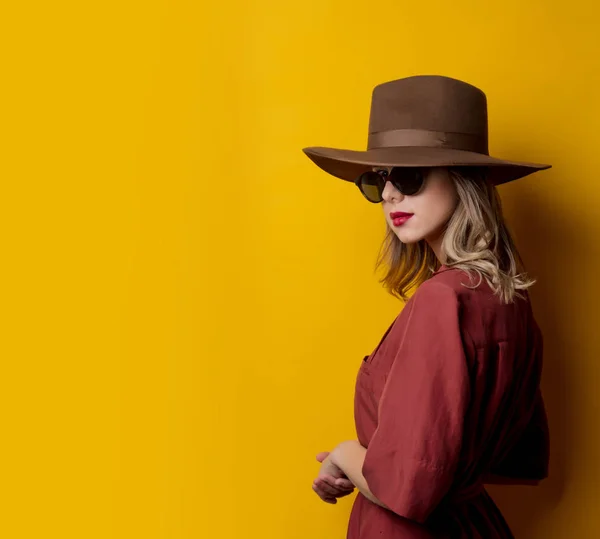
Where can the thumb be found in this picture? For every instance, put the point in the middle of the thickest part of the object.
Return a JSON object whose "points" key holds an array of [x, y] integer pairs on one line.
{"points": [[322, 455]]}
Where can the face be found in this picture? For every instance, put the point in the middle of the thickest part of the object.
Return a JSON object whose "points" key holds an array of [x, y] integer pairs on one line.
{"points": [[431, 207]]}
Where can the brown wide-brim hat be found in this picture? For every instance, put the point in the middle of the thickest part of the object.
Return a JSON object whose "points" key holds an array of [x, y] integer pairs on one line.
{"points": [[424, 121]]}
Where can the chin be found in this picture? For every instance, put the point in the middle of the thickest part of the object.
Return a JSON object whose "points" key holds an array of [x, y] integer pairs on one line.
{"points": [[407, 236]]}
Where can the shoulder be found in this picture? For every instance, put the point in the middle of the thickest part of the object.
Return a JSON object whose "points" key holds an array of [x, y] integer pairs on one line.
{"points": [[446, 283], [454, 278], [454, 289], [434, 296], [465, 285], [483, 316]]}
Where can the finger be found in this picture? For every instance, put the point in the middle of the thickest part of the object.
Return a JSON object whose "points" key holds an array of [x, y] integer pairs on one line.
{"points": [[344, 483], [323, 496], [336, 492], [328, 497], [325, 486], [322, 455], [333, 482]]}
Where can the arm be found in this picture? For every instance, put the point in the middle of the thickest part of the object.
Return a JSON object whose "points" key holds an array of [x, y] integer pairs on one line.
{"points": [[411, 458], [349, 457]]}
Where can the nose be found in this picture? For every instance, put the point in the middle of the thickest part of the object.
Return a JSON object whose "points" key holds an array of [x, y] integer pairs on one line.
{"points": [[390, 193]]}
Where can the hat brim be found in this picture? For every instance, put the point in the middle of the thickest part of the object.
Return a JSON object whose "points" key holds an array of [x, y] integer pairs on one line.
{"points": [[349, 164]]}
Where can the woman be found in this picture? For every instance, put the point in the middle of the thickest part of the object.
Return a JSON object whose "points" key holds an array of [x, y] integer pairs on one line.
{"points": [[449, 399]]}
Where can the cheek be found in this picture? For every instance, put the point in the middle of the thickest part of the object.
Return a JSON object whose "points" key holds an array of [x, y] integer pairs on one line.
{"points": [[439, 204], [445, 210], [433, 214]]}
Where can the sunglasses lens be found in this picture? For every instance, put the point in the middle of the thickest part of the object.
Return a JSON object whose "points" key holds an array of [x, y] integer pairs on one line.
{"points": [[371, 186], [407, 180]]}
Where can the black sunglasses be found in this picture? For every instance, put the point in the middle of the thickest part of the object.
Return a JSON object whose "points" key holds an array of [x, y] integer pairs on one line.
{"points": [[408, 180]]}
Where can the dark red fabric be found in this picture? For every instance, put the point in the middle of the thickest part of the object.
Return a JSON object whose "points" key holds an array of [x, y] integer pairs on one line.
{"points": [[449, 396]]}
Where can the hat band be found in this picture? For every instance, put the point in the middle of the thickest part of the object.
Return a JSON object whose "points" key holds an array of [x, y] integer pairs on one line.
{"points": [[424, 137]]}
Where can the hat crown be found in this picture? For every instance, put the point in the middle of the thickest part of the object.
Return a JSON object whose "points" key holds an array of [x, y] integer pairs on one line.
{"points": [[449, 109]]}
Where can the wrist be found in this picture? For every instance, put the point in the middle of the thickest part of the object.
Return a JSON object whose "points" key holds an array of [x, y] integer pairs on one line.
{"points": [[337, 453]]}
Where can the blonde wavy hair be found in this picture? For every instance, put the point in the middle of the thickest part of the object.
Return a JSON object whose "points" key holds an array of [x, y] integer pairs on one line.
{"points": [[476, 239]]}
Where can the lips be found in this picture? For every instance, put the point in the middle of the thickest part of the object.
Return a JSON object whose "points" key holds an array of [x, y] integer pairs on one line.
{"points": [[400, 217]]}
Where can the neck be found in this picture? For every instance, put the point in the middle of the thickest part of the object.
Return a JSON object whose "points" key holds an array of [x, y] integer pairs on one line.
{"points": [[436, 247]]}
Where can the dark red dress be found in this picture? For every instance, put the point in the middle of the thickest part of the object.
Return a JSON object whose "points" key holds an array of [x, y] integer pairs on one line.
{"points": [[449, 395]]}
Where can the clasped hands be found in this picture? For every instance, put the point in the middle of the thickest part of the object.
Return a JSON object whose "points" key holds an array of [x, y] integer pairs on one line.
{"points": [[331, 482]]}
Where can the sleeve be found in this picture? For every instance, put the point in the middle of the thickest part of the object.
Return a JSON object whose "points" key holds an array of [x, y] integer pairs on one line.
{"points": [[412, 457], [529, 458]]}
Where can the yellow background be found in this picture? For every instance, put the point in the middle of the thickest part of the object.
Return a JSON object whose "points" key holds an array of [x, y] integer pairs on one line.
{"points": [[187, 298]]}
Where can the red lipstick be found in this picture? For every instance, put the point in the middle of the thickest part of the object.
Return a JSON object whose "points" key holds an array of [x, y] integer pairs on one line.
{"points": [[400, 217]]}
